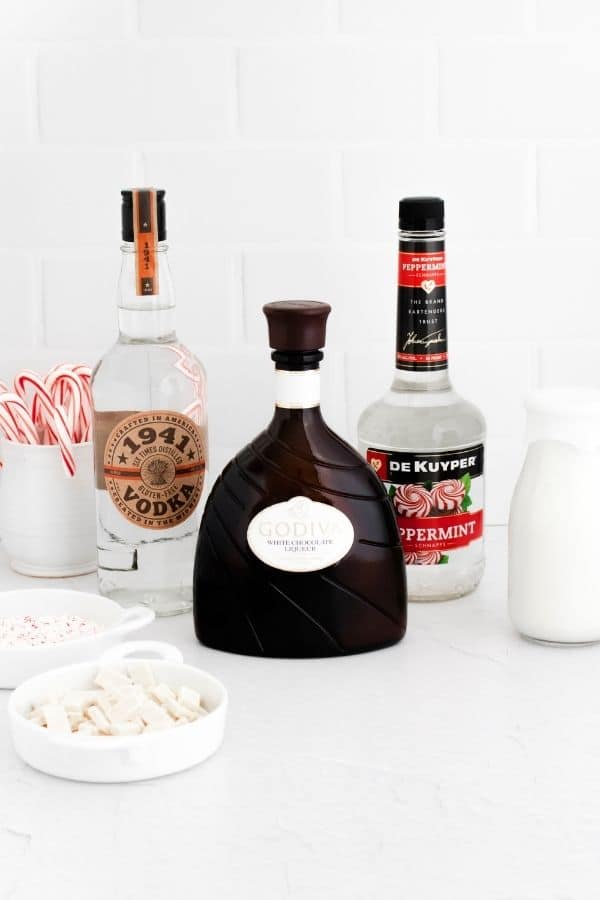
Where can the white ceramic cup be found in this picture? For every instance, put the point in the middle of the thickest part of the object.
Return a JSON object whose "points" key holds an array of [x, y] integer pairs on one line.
{"points": [[47, 520]]}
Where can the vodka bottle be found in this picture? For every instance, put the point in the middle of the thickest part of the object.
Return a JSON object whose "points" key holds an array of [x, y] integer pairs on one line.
{"points": [[423, 440], [150, 428]]}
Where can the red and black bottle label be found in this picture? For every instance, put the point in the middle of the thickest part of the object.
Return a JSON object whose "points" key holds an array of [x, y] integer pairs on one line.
{"points": [[421, 340], [438, 501]]}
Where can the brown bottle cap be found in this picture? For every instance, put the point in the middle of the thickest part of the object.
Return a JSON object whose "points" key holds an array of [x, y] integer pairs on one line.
{"points": [[296, 325]]}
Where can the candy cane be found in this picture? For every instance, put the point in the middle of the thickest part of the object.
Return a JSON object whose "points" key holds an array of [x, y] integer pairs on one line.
{"points": [[8, 427], [87, 407], [22, 381], [62, 384], [42, 405], [60, 410], [87, 403], [61, 431], [53, 416], [74, 379], [18, 412]]}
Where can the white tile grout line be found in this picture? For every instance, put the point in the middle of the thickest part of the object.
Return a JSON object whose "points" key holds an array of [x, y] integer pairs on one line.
{"points": [[33, 90], [38, 308], [138, 165], [530, 17], [337, 18], [132, 18], [345, 378], [239, 329], [338, 200], [532, 192], [433, 95], [235, 114]]}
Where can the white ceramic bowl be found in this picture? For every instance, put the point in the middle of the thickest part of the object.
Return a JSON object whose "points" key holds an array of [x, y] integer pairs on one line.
{"points": [[19, 663], [114, 759]]}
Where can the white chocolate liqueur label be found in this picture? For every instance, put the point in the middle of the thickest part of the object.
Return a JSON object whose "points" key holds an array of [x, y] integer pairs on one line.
{"points": [[300, 535]]}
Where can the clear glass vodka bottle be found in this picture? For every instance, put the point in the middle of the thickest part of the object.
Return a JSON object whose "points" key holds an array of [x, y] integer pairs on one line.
{"points": [[423, 439], [151, 448]]}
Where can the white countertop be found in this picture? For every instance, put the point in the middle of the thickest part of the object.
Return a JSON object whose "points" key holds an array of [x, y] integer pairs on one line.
{"points": [[463, 763]]}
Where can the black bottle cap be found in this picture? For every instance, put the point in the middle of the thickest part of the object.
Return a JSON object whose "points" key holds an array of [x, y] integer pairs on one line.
{"points": [[127, 215], [421, 214], [297, 326]]}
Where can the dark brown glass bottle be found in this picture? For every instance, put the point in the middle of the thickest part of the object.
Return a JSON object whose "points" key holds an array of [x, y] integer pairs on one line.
{"points": [[298, 552]]}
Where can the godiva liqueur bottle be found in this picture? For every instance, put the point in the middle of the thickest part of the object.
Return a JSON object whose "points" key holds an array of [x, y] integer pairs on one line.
{"points": [[298, 552], [424, 441], [150, 428]]}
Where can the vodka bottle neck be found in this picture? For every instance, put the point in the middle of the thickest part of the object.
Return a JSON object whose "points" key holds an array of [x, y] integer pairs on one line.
{"points": [[145, 318]]}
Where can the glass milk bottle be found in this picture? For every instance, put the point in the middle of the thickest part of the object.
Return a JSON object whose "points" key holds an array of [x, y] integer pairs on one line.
{"points": [[554, 531]]}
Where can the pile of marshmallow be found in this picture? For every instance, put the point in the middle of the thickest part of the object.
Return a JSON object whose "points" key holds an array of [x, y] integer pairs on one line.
{"points": [[120, 705]]}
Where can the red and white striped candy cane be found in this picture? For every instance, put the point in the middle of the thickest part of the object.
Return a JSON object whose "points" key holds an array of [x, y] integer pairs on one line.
{"points": [[61, 431], [29, 378], [81, 369], [18, 412], [42, 405], [8, 427], [66, 390], [81, 374], [49, 414], [87, 408]]}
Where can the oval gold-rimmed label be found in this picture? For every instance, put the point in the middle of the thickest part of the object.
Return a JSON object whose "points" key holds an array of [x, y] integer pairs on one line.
{"points": [[154, 468], [300, 535]]}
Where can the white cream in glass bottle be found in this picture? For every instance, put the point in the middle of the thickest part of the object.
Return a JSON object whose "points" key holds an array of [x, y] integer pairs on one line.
{"points": [[553, 574]]}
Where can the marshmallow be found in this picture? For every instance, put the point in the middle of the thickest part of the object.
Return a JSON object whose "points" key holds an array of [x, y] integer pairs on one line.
{"points": [[154, 716], [141, 672], [56, 718], [121, 705], [99, 719], [189, 698]]}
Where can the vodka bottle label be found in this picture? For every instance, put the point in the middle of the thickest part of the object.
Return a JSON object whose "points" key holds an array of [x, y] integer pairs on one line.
{"points": [[145, 235], [438, 501], [153, 467]]}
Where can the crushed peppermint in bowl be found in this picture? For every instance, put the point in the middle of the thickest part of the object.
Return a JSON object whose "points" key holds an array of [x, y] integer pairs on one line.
{"points": [[42, 628], [38, 631]]}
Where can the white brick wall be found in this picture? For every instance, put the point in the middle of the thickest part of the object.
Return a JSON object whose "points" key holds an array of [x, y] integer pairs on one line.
{"points": [[334, 91], [126, 92], [285, 132]]}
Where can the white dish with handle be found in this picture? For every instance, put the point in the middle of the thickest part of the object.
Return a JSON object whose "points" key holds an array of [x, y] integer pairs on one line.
{"points": [[104, 758], [19, 663]]}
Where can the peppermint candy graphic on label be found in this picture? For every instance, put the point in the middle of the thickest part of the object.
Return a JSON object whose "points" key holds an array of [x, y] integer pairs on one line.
{"points": [[412, 500], [428, 285], [423, 558], [448, 495]]}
